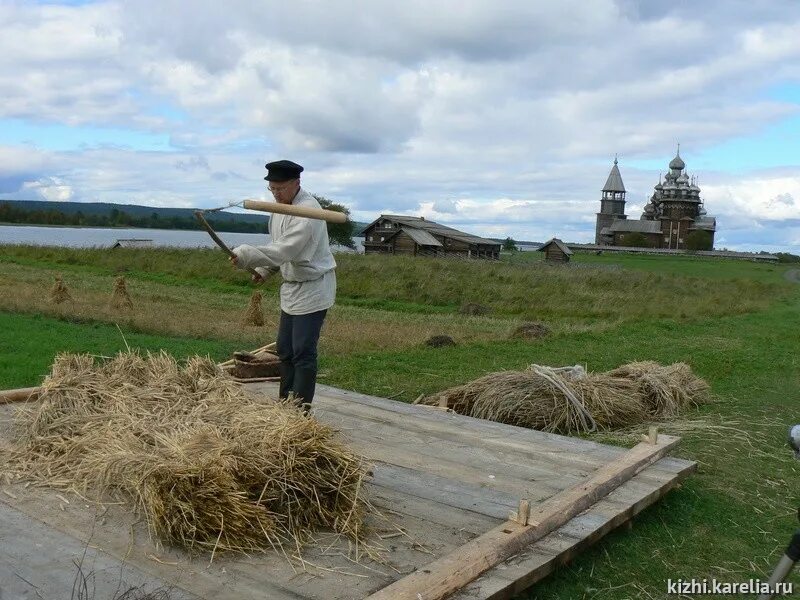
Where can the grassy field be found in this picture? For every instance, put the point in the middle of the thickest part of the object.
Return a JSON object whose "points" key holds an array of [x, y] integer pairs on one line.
{"points": [[734, 322]]}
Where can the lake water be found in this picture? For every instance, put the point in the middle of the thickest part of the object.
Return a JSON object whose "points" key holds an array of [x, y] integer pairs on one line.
{"points": [[87, 237]]}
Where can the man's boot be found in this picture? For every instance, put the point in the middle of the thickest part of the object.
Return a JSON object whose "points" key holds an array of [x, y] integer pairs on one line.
{"points": [[286, 387], [305, 381]]}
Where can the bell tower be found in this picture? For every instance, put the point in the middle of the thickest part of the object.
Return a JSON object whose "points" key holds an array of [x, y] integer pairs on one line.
{"points": [[612, 203]]}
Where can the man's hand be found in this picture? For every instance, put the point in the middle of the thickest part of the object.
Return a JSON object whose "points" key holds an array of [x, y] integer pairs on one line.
{"points": [[257, 278]]}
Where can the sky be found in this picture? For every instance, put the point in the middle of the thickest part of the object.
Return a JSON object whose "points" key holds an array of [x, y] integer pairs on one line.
{"points": [[497, 118]]}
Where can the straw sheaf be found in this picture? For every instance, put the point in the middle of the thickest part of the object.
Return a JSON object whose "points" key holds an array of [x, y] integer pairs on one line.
{"points": [[569, 400], [254, 315], [210, 467], [667, 390]]}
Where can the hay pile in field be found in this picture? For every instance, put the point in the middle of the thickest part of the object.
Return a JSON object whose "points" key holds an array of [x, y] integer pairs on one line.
{"points": [[59, 292], [119, 297], [570, 400], [531, 331], [209, 467], [254, 315], [474, 309], [440, 341], [667, 390]]}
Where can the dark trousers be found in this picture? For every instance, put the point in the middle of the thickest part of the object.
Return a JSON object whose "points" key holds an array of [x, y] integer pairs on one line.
{"points": [[297, 349]]}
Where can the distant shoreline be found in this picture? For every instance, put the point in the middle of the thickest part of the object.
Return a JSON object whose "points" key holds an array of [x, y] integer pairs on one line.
{"points": [[4, 224], [122, 227]]}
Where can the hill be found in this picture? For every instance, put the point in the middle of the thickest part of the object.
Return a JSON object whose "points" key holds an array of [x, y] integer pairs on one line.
{"points": [[105, 214]]}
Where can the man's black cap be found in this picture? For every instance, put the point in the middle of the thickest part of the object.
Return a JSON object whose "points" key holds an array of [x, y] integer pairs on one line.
{"points": [[282, 170]]}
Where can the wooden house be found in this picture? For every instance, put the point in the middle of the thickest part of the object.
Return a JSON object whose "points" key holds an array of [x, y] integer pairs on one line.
{"points": [[397, 234], [555, 251]]}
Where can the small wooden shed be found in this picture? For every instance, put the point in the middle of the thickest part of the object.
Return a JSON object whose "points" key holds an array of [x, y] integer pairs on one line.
{"points": [[555, 251], [132, 243]]}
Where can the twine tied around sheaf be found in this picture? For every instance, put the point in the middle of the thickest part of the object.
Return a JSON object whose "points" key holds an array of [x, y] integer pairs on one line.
{"points": [[573, 372]]}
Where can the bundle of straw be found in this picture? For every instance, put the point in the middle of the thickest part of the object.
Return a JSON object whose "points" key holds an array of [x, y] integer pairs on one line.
{"points": [[667, 390], [254, 315], [538, 401], [531, 331], [569, 400], [119, 297], [59, 292], [209, 467]]}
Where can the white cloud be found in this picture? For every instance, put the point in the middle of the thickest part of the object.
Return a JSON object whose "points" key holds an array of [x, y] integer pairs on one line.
{"points": [[48, 188], [501, 116]]}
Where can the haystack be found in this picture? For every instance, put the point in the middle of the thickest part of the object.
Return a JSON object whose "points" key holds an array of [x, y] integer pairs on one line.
{"points": [[440, 341], [474, 309], [254, 315], [59, 292], [208, 466], [569, 400], [531, 331], [119, 297], [667, 390]]}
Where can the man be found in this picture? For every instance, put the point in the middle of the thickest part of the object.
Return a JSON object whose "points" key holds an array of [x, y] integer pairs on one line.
{"points": [[299, 247]]}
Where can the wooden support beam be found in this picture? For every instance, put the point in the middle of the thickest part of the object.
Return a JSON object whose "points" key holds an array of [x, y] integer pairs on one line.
{"points": [[450, 573], [19, 395]]}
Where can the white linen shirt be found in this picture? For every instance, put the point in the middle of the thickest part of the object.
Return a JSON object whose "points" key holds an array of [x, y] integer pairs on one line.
{"points": [[299, 246]]}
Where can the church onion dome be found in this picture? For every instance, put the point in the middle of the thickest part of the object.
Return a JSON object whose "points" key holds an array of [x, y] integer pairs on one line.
{"points": [[614, 181], [677, 162], [683, 178]]}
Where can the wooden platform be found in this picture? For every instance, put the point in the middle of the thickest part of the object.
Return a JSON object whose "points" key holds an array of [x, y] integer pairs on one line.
{"points": [[439, 480]]}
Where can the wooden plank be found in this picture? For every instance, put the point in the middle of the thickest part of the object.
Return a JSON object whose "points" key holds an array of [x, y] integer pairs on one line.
{"points": [[403, 504], [337, 414], [570, 455], [450, 573], [451, 492], [546, 459], [474, 465], [539, 559], [42, 562], [115, 540], [524, 463], [479, 479]]}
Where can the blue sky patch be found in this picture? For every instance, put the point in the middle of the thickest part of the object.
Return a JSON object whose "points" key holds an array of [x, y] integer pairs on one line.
{"points": [[59, 137]]}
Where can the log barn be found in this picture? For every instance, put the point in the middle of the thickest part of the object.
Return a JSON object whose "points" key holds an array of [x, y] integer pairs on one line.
{"points": [[416, 236], [555, 251]]}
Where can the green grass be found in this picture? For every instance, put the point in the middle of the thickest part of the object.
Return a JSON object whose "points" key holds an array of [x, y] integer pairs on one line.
{"points": [[590, 289], [734, 322], [683, 265], [29, 344]]}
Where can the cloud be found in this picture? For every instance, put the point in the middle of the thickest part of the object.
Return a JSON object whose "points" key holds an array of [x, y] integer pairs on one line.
{"points": [[195, 162], [501, 117], [47, 188]]}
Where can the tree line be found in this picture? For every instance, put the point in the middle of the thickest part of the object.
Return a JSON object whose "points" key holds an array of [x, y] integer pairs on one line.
{"points": [[118, 218]]}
